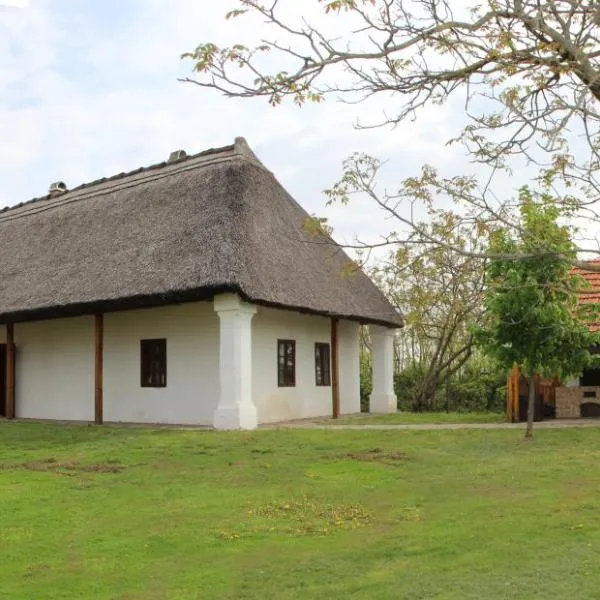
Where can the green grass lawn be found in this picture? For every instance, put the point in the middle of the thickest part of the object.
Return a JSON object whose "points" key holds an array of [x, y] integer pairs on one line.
{"points": [[409, 418], [132, 514]]}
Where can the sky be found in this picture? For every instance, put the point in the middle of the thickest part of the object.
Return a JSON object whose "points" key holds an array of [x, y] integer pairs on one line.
{"points": [[90, 88]]}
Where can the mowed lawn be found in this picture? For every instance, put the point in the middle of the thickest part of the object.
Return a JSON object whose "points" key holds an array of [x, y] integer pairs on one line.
{"points": [[132, 514], [418, 418]]}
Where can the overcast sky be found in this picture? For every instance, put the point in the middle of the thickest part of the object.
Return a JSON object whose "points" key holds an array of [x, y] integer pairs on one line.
{"points": [[89, 89]]}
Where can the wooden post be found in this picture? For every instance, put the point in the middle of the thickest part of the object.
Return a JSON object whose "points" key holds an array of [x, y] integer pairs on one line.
{"points": [[99, 351], [335, 389], [10, 371], [512, 395]]}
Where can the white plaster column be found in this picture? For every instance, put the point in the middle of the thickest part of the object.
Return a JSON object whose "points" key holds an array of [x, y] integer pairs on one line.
{"points": [[235, 409], [382, 399]]}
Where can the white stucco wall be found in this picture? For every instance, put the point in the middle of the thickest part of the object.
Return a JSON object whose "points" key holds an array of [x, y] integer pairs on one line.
{"points": [[55, 366], [192, 334], [306, 399], [54, 372]]}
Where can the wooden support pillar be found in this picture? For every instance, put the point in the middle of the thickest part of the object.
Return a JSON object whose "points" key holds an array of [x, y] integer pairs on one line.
{"points": [[10, 371], [98, 355], [512, 395], [335, 388]]}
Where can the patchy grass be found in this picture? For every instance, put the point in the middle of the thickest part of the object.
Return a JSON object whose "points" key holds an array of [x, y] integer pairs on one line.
{"points": [[51, 465], [412, 418], [387, 457], [183, 514]]}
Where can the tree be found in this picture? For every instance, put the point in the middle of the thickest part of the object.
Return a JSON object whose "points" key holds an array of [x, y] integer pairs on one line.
{"points": [[527, 71], [440, 295], [533, 316]]}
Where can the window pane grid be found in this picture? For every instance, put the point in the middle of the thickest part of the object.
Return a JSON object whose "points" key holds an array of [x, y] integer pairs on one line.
{"points": [[153, 354], [286, 363], [322, 364]]}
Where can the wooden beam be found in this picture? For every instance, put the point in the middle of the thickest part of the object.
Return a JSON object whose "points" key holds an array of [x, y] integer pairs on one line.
{"points": [[10, 371], [98, 355], [335, 388]]}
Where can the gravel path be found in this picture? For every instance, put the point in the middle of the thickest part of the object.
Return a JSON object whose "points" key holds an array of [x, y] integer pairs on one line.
{"points": [[553, 424]]}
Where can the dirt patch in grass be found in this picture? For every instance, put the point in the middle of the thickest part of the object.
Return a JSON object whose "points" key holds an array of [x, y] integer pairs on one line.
{"points": [[70, 468], [388, 457]]}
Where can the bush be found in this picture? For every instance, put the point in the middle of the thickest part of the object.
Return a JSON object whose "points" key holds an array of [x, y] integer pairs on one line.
{"points": [[480, 387], [477, 391], [366, 381], [406, 383]]}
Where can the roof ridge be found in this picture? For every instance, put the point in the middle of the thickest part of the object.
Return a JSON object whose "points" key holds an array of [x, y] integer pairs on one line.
{"points": [[239, 147], [99, 187]]}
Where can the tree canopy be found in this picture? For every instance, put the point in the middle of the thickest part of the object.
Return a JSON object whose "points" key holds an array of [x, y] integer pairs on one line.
{"points": [[528, 74], [533, 317], [440, 294]]}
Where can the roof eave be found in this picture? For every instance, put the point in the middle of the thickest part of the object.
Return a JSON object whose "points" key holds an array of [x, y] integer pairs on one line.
{"points": [[172, 298]]}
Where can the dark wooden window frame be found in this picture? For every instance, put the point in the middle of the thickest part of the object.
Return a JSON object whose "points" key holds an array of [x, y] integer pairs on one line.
{"points": [[286, 363], [322, 364], [153, 363]]}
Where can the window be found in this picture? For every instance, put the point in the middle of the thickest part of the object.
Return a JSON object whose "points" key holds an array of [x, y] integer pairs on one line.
{"points": [[286, 363], [322, 368], [153, 363]]}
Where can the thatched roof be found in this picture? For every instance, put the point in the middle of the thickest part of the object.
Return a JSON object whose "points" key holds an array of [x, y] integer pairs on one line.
{"points": [[214, 222]]}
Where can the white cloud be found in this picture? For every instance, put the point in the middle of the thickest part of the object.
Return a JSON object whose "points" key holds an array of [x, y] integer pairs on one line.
{"points": [[86, 101], [15, 3]]}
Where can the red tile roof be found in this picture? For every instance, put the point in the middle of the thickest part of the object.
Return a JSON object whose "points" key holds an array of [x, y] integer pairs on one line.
{"points": [[592, 293]]}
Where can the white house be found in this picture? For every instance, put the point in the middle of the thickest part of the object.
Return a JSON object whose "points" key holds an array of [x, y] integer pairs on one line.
{"points": [[187, 292]]}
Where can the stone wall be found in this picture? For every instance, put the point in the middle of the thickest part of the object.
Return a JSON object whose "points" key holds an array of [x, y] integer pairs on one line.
{"points": [[569, 400]]}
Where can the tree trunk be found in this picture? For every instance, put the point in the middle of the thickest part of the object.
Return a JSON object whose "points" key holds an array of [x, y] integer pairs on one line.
{"points": [[530, 406]]}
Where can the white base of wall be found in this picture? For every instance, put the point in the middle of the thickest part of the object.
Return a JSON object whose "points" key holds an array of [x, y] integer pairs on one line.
{"points": [[383, 403], [235, 417]]}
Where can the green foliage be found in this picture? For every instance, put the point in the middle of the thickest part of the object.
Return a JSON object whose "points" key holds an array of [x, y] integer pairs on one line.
{"points": [[479, 387], [533, 318], [406, 385], [366, 379]]}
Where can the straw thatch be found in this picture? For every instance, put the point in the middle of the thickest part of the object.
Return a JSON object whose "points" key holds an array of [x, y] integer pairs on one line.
{"points": [[214, 222]]}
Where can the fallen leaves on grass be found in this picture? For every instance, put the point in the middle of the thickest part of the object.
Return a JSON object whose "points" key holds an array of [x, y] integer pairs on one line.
{"points": [[301, 517]]}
